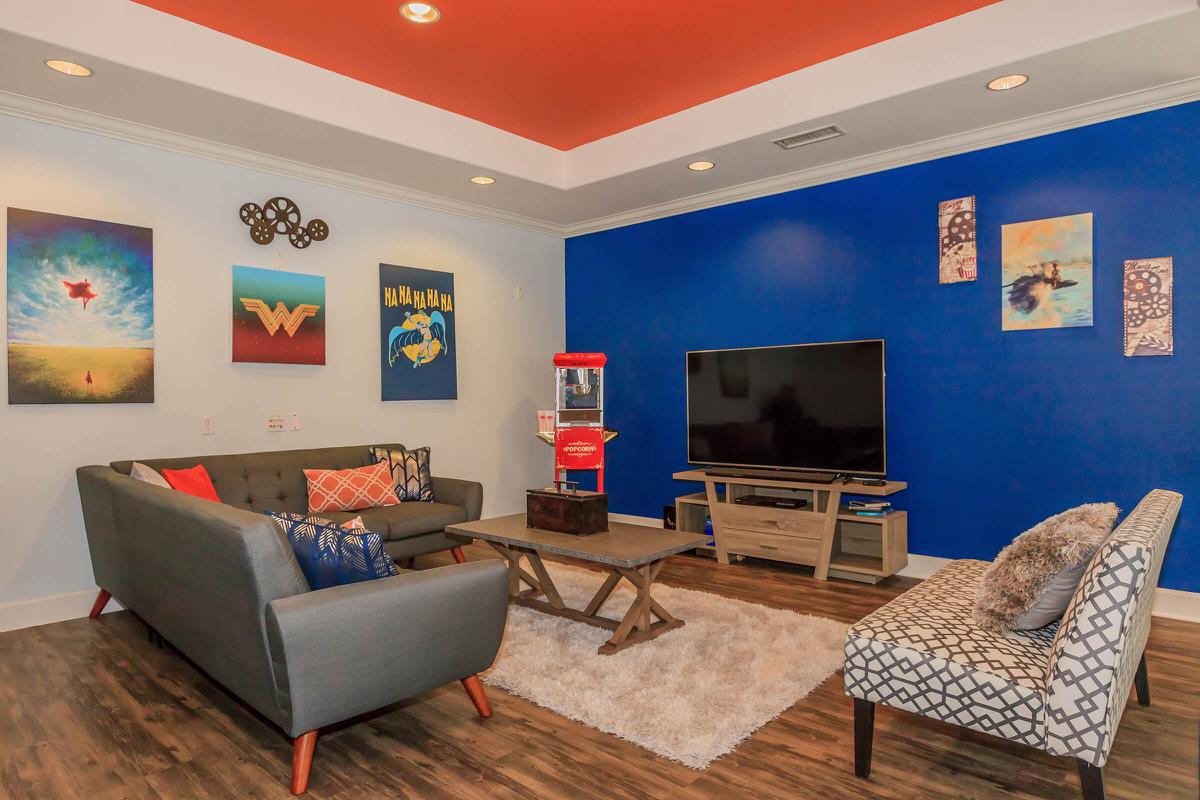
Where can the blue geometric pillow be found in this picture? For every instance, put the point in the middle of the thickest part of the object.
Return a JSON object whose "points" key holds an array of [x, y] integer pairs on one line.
{"points": [[332, 556]]}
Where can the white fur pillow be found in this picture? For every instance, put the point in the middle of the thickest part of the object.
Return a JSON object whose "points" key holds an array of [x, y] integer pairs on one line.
{"points": [[1031, 582], [147, 475]]}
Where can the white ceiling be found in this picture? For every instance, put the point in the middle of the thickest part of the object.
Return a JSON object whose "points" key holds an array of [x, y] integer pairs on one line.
{"points": [[169, 83]]}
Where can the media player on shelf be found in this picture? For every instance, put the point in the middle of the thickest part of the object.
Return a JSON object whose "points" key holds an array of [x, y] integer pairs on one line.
{"points": [[767, 501]]}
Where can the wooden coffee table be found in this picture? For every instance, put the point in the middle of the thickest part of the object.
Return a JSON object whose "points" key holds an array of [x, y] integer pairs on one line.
{"points": [[633, 552]]}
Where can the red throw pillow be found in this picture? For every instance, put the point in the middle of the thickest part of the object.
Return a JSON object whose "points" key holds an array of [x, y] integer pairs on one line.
{"points": [[350, 489], [194, 481]]}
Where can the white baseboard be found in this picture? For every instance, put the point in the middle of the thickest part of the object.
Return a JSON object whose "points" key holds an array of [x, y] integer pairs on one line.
{"points": [[45, 610], [1168, 603]]}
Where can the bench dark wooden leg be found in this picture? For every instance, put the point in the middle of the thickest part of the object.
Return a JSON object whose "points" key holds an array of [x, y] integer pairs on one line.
{"points": [[98, 606], [864, 733], [1142, 683], [1091, 778], [302, 757]]}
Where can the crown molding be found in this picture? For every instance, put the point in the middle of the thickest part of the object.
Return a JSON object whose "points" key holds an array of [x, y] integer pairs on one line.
{"points": [[37, 110], [1077, 116]]}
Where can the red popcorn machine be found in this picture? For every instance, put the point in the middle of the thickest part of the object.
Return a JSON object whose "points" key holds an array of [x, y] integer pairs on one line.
{"points": [[577, 432]]}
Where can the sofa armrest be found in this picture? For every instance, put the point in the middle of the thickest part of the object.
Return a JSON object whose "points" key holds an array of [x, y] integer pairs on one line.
{"points": [[468, 494], [351, 649]]}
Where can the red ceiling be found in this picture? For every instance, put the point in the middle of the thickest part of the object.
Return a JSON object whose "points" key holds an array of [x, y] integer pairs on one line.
{"points": [[566, 72]]}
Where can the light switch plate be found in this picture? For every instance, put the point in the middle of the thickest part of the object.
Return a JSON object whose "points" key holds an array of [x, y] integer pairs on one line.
{"points": [[294, 421], [208, 425]]}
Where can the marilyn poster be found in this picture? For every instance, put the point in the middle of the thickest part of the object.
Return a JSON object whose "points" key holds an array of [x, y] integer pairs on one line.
{"points": [[418, 347]]}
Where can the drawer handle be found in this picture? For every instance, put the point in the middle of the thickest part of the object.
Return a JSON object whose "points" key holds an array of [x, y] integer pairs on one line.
{"points": [[768, 547]]}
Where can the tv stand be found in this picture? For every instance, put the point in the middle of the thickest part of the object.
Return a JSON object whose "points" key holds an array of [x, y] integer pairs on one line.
{"points": [[771, 474], [822, 534]]}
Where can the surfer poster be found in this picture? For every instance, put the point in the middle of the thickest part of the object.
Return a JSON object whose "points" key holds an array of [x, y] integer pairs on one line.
{"points": [[1046, 269], [80, 310], [957, 260], [1149, 314], [418, 347]]}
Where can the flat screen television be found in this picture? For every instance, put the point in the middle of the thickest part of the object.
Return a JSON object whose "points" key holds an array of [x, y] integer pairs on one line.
{"points": [[806, 407]]}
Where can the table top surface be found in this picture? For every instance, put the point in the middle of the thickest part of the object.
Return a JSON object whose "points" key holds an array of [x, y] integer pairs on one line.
{"points": [[622, 545]]}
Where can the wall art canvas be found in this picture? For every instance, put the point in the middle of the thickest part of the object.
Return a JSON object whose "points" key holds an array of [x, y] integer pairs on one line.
{"points": [[1149, 313], [417, 337], [1046, 266], [956, 239], [278, 317], [80, 310]]}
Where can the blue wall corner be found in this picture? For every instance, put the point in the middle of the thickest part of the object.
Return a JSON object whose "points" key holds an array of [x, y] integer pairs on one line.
{"points": [[993, 431]]}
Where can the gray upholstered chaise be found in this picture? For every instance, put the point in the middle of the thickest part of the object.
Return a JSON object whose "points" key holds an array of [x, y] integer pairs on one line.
{"points": [[1061, 689], [221, 584]]}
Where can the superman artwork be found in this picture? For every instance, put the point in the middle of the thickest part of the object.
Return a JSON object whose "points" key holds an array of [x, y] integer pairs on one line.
{"points": [[80, 310], [278, 317], [418, 344]]}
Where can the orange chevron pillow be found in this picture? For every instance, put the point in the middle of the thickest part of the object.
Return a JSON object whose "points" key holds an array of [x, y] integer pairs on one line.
{"points": [[350, 489]]}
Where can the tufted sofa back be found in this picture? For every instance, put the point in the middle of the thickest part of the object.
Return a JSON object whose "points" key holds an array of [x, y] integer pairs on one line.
{"points": [[272, 481], [1103, 632]]}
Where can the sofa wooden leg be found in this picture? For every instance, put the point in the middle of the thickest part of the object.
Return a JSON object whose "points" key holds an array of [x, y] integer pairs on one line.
{"points": [[458, 554], [98, 606], [864, 733], [1091, 779], [474, 688], [1142, 683], [302, 758]]}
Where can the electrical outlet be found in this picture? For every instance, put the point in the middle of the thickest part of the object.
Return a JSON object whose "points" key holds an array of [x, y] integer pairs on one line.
{"points": [[208, 426], [294, 421], [519, 294], [275, 423]]}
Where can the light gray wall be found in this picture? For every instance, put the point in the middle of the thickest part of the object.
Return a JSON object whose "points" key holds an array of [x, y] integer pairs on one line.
{"points": [[504, 345]]}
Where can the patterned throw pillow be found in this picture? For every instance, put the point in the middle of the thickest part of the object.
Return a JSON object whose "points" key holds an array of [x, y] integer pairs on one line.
{"points": [[350, 489], [411, 477], [330, 555]]}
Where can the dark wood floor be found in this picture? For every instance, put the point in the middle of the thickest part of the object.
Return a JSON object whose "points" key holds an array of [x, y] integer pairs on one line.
{"points": [[92, 710]]}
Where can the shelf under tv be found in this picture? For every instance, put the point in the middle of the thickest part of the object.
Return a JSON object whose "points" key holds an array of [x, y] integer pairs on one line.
{"points": [[824, 534]]}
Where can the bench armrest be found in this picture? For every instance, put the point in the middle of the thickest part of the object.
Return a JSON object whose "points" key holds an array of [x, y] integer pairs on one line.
{"points": [[468, 494], [347, 650]]}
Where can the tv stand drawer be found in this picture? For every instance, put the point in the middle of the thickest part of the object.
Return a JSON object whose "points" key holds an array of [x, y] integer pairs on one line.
{"points": [[781, 521], [775, 546]]}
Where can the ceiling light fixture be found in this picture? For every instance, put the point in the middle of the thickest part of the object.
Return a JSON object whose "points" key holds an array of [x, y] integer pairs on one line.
{"points": [[422, 13], [1003, 84], [700, 166], [69, 68], [483, 180]]}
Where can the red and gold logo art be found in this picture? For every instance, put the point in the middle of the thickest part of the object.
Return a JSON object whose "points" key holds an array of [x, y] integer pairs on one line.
{"points": [[280, 317]]}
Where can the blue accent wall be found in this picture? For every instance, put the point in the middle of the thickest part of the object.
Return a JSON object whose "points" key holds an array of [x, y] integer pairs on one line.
{"points": [[993, 431]]}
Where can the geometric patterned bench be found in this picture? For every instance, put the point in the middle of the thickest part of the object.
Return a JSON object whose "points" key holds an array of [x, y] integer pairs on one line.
{"points": [[1061, 689]]}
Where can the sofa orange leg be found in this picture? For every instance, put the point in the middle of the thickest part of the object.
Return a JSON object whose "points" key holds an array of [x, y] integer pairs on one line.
{"points": [[458, 554], [474, 688], [302, 761], [98, 606]]}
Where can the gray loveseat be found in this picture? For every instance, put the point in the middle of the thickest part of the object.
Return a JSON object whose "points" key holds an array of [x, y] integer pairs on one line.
{"points": [[220, 583]]}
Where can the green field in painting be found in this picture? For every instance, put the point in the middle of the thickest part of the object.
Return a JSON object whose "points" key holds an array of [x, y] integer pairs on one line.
{"points": [[54, 374]]}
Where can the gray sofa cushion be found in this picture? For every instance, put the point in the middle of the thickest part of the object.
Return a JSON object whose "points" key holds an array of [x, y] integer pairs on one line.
{"points": [[405, 520]]}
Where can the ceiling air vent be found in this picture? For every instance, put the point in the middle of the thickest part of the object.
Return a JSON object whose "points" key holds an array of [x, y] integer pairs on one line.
{"points": [[810, 137]]}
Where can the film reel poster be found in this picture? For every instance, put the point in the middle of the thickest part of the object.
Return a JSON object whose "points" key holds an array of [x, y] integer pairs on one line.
{"points": [[1149, 312], [957, 260]]}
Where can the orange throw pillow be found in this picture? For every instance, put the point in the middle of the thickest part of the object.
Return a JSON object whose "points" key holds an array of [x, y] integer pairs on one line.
{"points": [[194, 481], [350, 489]]}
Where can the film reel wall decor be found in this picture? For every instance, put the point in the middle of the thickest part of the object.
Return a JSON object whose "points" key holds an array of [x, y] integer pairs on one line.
{"points": [[280, 216]]}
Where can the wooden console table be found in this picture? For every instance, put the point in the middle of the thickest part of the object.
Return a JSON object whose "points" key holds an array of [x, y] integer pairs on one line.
{"points": [[824, 534]]}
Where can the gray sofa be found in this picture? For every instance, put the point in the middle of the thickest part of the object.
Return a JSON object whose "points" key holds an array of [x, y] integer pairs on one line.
{"points": [[219, 582]]}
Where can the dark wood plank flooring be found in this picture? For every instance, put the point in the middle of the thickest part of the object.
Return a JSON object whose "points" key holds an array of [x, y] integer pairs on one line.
{"points": [[93, 710]]}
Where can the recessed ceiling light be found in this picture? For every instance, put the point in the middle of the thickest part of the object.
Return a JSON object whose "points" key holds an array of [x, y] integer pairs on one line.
{"points": [[69, 68], [1007, 82], [420, 12], [700, 166], [483, 180]]}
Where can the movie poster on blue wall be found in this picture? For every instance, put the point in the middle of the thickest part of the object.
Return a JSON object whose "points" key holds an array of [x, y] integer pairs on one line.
{"points": [[417, 339]]}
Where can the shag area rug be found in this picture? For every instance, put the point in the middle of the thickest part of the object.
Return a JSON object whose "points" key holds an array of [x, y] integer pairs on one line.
{"points": [[691, 695]]}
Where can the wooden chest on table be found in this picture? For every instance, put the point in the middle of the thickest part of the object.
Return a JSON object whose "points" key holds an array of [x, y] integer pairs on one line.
{"points": [[566, 510]]}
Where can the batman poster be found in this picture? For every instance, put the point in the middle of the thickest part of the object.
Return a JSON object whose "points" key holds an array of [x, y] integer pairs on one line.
{"points": [[417, 339]]}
